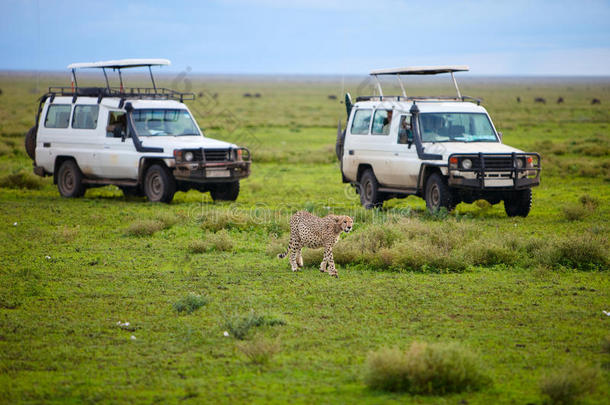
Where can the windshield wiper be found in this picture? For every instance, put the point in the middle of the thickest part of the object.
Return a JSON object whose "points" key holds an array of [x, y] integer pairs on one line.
{"points": [[185, 134]]}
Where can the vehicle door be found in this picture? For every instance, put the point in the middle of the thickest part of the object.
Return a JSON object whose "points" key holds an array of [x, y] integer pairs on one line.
{"points": [[118, 158], [82, 143], [404, 162]]}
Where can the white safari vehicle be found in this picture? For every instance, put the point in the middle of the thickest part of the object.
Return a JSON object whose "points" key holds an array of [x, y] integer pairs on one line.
{"points": [[443, 149], [144, 140]]}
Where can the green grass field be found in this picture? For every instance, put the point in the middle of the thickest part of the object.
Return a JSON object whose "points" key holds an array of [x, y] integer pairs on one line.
{"points": [[526, 295]]}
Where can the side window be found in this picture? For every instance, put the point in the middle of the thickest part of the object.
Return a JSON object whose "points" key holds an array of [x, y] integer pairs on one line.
{"points": [[361, 121], [58, 116], [85, 117], [404, 130], [382, 122], [116, 119]]}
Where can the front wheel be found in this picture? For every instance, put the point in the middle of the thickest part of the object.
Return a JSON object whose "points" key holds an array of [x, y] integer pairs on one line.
{"points": [[438, 194], [70, 180], [225, 192], [518, 203], [370, 197], [159, 184]]}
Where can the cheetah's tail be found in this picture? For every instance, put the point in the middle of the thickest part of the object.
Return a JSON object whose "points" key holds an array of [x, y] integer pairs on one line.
{"points": [[282, 255]]}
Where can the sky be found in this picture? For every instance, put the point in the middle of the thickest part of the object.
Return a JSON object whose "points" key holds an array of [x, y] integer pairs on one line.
{"points": [[344, 37]]}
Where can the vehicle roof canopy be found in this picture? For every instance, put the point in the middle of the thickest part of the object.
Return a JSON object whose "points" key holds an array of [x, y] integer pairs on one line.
{"points": [[120, 64], [421, 70]]}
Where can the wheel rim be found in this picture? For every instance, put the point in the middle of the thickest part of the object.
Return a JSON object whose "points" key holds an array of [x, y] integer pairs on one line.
{"points": [[155, 185], [368, 191], [434, 196], [67, 181]]}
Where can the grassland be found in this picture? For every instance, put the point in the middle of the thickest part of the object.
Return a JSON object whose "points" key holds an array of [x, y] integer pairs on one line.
{"points": [[525, 295]]}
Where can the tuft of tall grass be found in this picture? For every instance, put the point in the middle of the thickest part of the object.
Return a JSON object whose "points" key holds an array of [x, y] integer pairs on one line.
{"points": [[425, 369], [566, 385], [259, 351], [144, 227], [219, 241], [575, 212], [190, 303], [22, 180], [239, 327], [582, 252], [218, 220]]}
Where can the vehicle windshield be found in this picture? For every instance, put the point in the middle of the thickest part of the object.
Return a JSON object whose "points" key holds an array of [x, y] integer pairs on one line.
{"points": [[164, 122], [456, 127]]}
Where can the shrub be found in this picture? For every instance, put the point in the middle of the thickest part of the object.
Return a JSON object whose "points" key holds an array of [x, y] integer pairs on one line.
{"points": [[144, 227], [574, 212], [240, 327], [259, 351], [589, 202], [425, 369], [22, 180], [190, 303], [220, 241], [167, 219], [218, 220], [581, 252], [564, 386]]}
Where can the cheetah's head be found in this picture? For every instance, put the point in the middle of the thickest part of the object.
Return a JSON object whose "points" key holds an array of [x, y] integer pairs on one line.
{"points": [[343, 223]]}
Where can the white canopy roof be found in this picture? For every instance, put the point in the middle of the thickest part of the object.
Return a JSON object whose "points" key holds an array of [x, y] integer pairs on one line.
{"points": [[421, 70], [121, 64]]}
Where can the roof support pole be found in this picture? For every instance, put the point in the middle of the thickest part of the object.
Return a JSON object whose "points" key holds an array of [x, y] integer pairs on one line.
{"points": [[74, 82], [152, 78], [456, 86], [402, 87], [106, 77], [120, 80], [378, 85]]}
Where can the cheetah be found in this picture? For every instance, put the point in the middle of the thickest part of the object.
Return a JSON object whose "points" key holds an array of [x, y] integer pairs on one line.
{"points": [[307, 230]]}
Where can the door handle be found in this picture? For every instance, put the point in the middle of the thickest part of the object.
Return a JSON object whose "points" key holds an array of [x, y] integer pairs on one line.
{"points": [[351, 152]]}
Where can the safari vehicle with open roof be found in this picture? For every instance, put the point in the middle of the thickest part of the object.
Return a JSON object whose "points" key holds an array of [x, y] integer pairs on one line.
{"points": [[144, 140], [443, 149]]}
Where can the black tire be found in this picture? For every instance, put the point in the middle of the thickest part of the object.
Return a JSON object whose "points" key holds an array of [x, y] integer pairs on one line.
{"points": [[438, 194], [518, 203], [159, 184], [370, 197], [70, 180], [132, 191], [225, 191], [30, 143]]}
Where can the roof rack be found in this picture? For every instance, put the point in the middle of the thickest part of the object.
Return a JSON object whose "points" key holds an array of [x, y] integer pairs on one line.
{"points": [[419, 70], [148, 93], [418, 98]]}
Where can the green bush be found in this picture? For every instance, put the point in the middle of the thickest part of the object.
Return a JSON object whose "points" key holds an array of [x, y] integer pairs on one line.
{"points": [[566, 385], [581, 252], [574, 212], [240, 327], [22, 180], [190, 303], [425, 369]]}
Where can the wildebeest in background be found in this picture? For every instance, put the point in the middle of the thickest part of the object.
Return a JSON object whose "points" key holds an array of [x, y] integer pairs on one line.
{"points": [[560, 100], [200, 94], [332, 97], [539, 100], [596, 101], [247, 95], [518, 99], [257, 95], [215, 96], [0, 92]]}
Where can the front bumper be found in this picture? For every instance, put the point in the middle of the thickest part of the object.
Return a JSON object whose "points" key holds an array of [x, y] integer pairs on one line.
{"points": [[216, 172], [494, 171]]}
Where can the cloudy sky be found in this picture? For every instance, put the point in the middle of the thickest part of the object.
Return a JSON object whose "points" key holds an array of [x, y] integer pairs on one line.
{"points": [[311, 36]]}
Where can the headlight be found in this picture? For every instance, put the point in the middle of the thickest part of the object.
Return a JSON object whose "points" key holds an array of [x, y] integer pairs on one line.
{"points": [[467, 164], [188, 156], [519, 163]]}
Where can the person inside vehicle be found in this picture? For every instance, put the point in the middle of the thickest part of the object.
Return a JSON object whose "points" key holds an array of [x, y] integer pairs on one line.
{"points": [[387, 122], [404, 131]]}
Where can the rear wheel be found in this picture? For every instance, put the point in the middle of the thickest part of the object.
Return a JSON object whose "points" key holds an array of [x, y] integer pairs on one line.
{"points": [[225, 192], [370, 197], [518, 203], [70, 180], [30, 143], [159, 184], [438, 194]]}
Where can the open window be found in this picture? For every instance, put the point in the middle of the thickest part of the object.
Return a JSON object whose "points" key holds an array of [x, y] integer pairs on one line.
{"points": [[382, 122], [405, 134], [117, 124]]}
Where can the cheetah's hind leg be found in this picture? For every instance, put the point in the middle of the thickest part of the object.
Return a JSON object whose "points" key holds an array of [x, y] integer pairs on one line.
{"points": [[299, 258]]}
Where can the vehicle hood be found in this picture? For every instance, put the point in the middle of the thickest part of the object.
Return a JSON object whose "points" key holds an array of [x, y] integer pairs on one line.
{"points": [[169, 143], [447, 148]]}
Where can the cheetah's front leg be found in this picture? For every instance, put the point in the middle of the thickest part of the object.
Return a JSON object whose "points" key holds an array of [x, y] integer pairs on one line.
{"points": [[294, 254], [328, 257]]}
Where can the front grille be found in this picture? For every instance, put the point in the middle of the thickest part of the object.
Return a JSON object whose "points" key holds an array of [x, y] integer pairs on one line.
{"points": [[493, 163], [216, 155]]}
